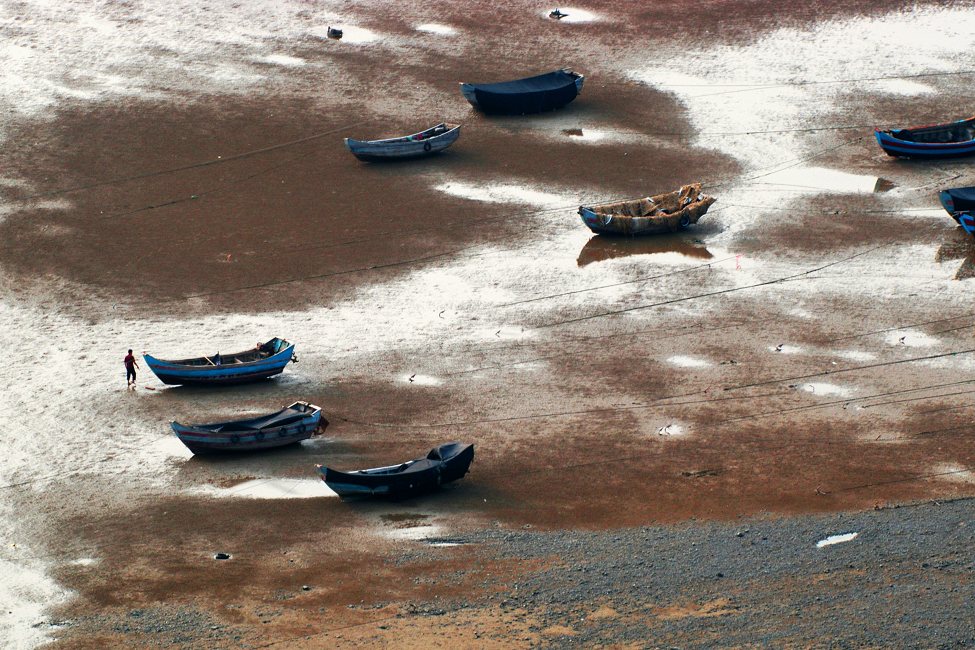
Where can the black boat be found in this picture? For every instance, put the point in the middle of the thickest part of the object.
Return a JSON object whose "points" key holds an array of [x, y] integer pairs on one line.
{"points": [[443, 464], [544, 92]]}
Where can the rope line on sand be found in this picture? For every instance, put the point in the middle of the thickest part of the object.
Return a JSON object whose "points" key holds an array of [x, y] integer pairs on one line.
{"points": [[206, 163], [709, 294]]}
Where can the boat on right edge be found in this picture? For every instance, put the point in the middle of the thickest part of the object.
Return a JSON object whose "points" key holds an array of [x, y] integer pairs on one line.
{"points": [[443, 464], [661, 213], [950, 140]]}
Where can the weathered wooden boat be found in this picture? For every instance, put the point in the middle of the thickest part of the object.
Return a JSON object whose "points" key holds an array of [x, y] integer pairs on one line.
{"points": [[544, 92], [425, 143], [292, 424], [958, 199], [935, 141], [654, 214], [443, 464], [262, 361]]}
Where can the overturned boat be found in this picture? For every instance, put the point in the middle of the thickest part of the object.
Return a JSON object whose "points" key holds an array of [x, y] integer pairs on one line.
{"points": [[425, 143], [443, 464], [668, 212], [262, 361], [544, 92], [949, 140], [291, 424]]}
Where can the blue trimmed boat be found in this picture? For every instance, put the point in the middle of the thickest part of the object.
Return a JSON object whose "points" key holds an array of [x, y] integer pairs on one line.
{"points": [[950, 140], [957, 199], [967, 221], [544, 92], [425, 143], [264, 360], [292, 424], [443, 464]]}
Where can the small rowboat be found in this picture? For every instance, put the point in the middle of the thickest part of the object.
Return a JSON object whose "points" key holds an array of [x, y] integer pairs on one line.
{"points": [[935, 141], [443, 464], [958, 199], [654, 214], [433, 140], [544, 92], [967, 221], [292, 424], [264, 360]]}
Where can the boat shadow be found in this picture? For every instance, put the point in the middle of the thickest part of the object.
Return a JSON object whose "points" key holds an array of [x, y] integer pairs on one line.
{"points": [[958, 244], [606, 247]]}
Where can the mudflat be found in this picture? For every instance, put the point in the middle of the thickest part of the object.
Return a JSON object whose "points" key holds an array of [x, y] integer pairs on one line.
{"points": [[664, 427]]}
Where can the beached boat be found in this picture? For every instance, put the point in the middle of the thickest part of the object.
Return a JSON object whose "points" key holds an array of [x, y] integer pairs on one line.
{"points": [[958, 199], [260, 362], [935, 141], [443, 464], [967, 221], [654, 214], [291, 424], [425, 143], [544, 92]]}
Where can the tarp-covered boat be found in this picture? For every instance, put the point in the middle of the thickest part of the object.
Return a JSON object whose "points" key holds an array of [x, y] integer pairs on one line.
{"points": [[443, 464], [654, 214], [958, 199], [544, 92], [935, 141], [262, 361], [435, 139], [292, 424]]}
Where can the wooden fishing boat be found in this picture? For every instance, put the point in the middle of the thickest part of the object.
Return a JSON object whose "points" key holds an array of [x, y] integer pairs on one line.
{"points": [[949, 140], [544, 92], [654, 214], [262, 361], [291, 424], [442, 465], [958, 199], [425, 143]]}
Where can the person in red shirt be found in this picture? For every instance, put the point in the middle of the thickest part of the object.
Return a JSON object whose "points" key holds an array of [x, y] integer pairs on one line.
{"points": [[130, 365]]}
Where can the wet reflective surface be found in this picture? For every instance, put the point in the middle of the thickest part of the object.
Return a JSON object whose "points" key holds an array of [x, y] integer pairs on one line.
{"points": [[602, 247]]}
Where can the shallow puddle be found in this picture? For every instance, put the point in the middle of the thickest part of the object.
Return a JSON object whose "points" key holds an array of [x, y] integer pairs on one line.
{"points": [[819, 388], [571, 15], [821, 179], [355, 35], [911, 339], [836, 539], [282, 59], [688, 362], [415, 533], [783, 348], [421, 380], [601, 248], [436, 28], [279, 488], [501, 193]]}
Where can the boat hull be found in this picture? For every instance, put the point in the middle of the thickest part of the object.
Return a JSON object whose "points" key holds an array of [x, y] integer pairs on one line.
{"points": [[967, 221], [951, 140], [624, 218], [524, 96], [401, 148], [204, 439], [177, 373], [422, 475]]}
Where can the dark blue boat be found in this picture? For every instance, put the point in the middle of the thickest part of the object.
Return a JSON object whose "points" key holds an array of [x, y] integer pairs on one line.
{"points": [[443, 464], [544, 92], [262, 361], [950, 140], [958, 199], [291, 424], [967, 221]]}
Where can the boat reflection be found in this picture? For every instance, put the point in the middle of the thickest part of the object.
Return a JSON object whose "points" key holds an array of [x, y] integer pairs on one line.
{"points": [[604, 247]]}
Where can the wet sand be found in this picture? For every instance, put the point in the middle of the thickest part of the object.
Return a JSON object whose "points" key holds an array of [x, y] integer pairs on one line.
{"points": [[805, 349]]}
